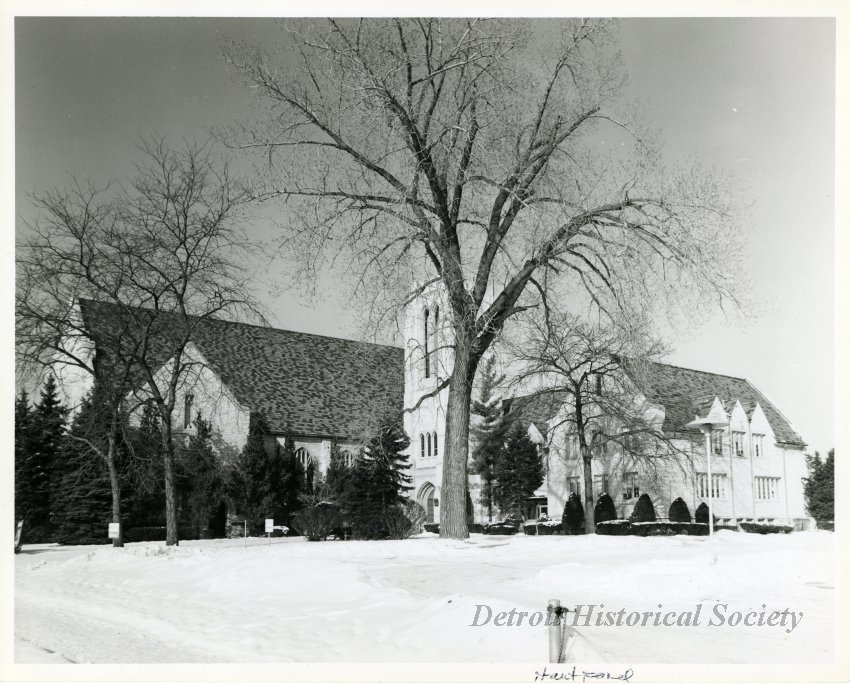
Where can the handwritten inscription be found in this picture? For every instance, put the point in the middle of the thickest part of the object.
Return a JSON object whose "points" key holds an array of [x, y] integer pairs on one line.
{"points": [[576, 674]]}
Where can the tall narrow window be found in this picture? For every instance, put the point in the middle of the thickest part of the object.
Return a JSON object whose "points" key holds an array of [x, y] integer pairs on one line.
{"points": [[758, 445], [630, 486], [738, 442], [428, 440], [421, 445], [427, 352], [435, 444], [717, 442], [188, 400], [574, 484], [435, 340]]}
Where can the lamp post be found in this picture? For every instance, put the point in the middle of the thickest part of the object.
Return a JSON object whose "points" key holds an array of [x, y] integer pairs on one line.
{"points": [[716, 418]]}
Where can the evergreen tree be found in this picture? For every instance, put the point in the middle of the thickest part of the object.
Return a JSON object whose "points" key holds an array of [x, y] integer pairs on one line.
{"points": [[248, 480], [144, 477], [288, 480], [819, 487], [82, 497], [489, 432], [47, 437], [24, 424], [338, 474], [572, 521], [375, 486], [604, 509], [201, 478], [518, 471]]}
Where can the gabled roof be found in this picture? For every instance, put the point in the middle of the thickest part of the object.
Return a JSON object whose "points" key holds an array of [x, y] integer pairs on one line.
{"points": [[538, 409], [309, 384], [683, 392]]}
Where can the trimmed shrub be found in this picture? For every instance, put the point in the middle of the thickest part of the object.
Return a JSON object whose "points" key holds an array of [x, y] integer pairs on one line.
{"points": [[434, 528], [614, 528], [679, 511], [701, 514], [604, 510], [643, 510], [766, 529], [543, 527], [650, 529], [476, 528], [317, 522], [572, 521], [504, 527]]}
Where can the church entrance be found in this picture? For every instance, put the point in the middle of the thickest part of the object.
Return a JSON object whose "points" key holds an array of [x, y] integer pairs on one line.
{"points": [[425, 498]]}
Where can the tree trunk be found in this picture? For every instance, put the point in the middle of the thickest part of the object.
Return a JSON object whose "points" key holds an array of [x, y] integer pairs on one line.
{"points": [[587, 460], [453, 504], [171, 538], [115, 485]]}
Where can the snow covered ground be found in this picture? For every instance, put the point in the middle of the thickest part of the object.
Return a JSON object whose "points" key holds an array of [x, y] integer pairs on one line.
{"points": [[415, 600]]}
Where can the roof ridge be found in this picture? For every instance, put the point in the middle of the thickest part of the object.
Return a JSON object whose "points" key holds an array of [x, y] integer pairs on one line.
{"points": [[697, 370], [250, 325]]}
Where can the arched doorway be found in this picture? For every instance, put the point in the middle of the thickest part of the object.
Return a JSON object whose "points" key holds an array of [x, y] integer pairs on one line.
{"points": [[425, 498]]}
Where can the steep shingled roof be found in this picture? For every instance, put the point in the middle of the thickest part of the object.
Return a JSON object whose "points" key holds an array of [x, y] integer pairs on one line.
{"points": [[683, 392], [539, 409], [311, 384]]}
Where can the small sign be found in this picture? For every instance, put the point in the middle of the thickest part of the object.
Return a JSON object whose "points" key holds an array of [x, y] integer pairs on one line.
{"points": [[269, 525], [114, 530]]}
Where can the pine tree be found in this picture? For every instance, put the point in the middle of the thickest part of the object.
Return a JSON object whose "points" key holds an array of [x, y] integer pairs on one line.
{"points": [[144, 483], [81, 496], [819, 487], [489, 433], [201, 479], [288, 480], [24, 423], [374, 490], [518, 471], [337, 475], [48, 434], [248, 480]]}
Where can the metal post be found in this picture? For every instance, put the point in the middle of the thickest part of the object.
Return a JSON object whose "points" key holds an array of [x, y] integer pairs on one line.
{"points": [[552, 614], [708, 431]]}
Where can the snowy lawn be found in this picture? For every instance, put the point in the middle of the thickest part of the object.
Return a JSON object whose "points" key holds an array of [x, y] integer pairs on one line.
{"points": [[415, 600]]}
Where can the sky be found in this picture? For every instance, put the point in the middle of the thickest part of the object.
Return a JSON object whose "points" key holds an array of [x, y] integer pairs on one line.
{"points": [[738, 94]]}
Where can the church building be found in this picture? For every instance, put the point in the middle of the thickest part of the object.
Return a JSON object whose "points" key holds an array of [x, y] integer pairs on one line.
{"points": [[324, 391]]}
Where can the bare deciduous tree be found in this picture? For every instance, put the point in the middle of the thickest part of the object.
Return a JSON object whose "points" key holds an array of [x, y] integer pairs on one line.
{"points": [[602, 375], [159, 257], [470, 153]]}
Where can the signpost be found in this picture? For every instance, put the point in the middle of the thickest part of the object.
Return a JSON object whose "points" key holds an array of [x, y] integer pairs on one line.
{"points": [[269, 528], [715, 419], [19, 531], [114, 530]]}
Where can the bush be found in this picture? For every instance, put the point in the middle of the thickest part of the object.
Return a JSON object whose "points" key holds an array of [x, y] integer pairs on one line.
{"points": [[434, 528], [614, 528], [679, 511], [643, 511], [543, 527], [572, 521], [623, 528], [504, 527], [766, 529], [318, 521], [404, 521], [140, 534], [475, 527], [701, 514], [604, 510]]}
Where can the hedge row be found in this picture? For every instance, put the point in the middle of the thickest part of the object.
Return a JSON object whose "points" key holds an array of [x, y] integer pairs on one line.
{"points": [[766, 529], [622, 528]]}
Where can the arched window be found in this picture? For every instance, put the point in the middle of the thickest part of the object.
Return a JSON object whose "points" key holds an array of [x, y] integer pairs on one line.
{"points": [[188, 400], [421, 445], [435, 444], [427, 352], [435, 344], [303, 457], [429, 444]]}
